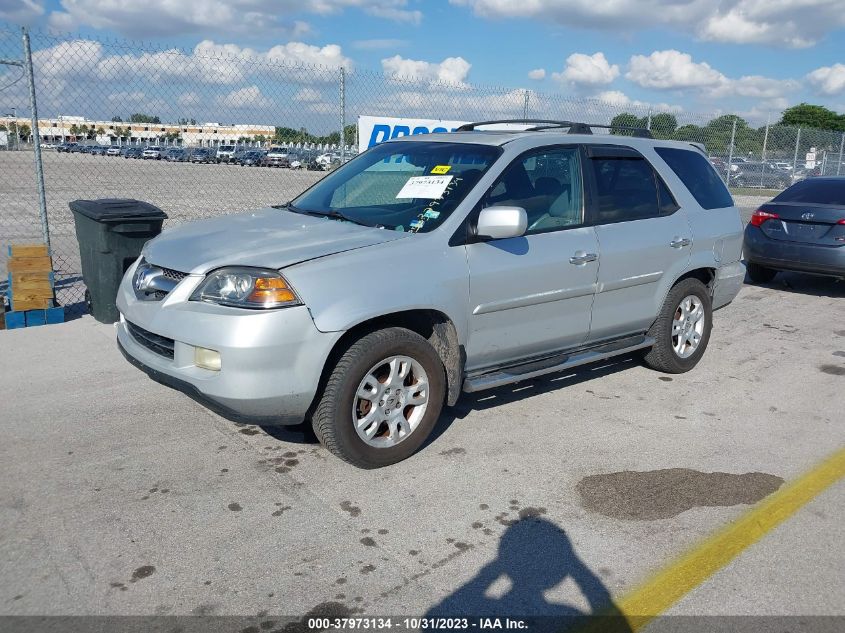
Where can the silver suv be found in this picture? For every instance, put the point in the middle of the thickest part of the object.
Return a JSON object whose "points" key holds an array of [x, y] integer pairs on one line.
{"points": [[435, 264]]}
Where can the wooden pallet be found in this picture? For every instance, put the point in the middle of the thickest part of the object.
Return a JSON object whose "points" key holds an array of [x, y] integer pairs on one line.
{"points": [[31, 288]]}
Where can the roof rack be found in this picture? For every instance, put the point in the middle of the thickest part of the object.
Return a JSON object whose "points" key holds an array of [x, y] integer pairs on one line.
{"points": [[549, 124]]}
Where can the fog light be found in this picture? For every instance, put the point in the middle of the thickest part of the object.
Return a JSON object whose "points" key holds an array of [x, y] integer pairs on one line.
{"points": [[207, 358]]}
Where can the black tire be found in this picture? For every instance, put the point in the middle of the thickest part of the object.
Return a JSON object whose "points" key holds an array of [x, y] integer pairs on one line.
{"points": [[759, 274], [662, 356], [332, 419]]}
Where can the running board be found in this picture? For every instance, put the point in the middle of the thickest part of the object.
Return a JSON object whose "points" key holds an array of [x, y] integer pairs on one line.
{"points": [[515, 373]]}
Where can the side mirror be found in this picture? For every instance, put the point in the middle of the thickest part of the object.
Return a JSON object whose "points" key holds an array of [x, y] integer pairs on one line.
{"points": [[502, 222]]}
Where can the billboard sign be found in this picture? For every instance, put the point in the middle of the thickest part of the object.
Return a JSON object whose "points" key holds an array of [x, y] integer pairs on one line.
{"points": [[373, 130]]}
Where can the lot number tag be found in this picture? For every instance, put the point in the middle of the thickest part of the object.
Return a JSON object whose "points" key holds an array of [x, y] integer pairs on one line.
{"points": [[428, 187]]}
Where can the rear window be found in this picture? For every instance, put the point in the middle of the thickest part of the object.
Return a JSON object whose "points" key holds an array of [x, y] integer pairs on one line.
{"points": [[698, 176], [815, 191]]}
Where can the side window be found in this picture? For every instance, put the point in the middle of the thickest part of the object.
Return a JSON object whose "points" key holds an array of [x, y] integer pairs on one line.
{"points": [[698, 176], [626, 189], [667, 202], [547, 184]]}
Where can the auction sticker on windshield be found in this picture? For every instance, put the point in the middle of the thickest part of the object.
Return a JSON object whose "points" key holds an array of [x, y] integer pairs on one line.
{"points": [[428, 187]]}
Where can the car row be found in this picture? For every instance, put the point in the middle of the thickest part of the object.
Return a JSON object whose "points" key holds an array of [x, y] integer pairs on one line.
{"points": [[276, 156]]}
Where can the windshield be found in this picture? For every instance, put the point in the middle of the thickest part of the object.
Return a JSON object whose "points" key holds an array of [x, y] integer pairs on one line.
{"points": [[404, 185]]}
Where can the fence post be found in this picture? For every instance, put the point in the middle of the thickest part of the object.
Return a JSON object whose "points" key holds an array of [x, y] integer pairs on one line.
{"points": [[36, 137], [525, 105], [763, 153], [730, 154], [795, 156], [839, 162], [648, 121], [342, 114]]}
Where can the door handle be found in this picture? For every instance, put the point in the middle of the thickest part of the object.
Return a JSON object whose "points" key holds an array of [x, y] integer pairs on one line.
{"points": [[580, 258], [680, 242]]}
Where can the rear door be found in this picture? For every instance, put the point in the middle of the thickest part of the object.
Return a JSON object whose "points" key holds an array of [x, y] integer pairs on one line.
{"points": [[643, 235]]}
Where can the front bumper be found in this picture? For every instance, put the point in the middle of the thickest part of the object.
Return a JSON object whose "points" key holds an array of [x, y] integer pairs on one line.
{"points": [[795, 256], [271, 360]]}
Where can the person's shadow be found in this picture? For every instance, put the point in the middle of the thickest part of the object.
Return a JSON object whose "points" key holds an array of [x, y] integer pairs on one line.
{"points": [[535, 556]]}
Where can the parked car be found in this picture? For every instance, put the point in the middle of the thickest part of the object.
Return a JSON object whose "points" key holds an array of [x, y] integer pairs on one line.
{"points": [[133, 152], [65, 147], [276, 157], [78, 148], [175, 154], [98, 150], [526, 270], [114, 150], [251, 158], [202, 155], [153, 152], [801, 229], [225, 153], [759, 175]]}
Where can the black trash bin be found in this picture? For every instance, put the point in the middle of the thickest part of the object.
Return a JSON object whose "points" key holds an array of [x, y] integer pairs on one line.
{"points": [[111, 233]]}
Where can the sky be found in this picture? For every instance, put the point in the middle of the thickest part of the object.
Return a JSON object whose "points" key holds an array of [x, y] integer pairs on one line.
{"points": [[753, 57]]}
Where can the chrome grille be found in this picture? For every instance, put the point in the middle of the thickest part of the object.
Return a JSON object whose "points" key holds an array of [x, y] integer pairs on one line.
{"points": [[156, 343]]}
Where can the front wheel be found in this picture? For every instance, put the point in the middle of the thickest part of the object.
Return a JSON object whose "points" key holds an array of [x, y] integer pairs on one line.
{"points": [[682, 329], [382, 399]]}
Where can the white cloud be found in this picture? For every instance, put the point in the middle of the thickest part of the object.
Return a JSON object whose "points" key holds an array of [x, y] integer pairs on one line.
{"points": [[20, 11], [619, 99], [452, 70], [788, 23], [754, 86], [189, 99], [155, 18], [308, 95], [590, 70], [537, 73], [829, 80], [249, 97], [671, 69]]}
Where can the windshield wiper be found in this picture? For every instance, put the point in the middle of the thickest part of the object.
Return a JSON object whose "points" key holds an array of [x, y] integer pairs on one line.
{"points": [[336, 215]]}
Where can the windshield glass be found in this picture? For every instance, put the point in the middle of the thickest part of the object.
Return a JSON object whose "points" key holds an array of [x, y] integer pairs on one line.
{"points": [[404, 185]]}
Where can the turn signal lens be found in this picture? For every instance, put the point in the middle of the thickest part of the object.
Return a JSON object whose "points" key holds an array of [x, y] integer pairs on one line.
{"points": [[761, 216], [271, 290], [842, 221]]}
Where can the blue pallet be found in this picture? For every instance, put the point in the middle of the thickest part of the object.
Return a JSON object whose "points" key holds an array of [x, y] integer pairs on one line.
{"points": [[32, 318]]}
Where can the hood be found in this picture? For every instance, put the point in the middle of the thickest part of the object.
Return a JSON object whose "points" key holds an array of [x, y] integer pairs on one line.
{"points": [[266, 238]]}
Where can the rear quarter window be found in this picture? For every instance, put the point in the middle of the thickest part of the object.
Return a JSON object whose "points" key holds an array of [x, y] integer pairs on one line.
{"points": [[698, 177]]}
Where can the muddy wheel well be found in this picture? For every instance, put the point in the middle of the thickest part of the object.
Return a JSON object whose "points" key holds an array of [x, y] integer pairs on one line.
{"points": [[704, 275], [432, 325]]}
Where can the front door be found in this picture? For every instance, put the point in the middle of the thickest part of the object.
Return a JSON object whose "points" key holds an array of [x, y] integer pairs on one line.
{"points": [[533, 294]]}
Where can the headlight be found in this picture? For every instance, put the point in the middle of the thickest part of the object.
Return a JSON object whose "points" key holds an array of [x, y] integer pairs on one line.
{"points": [[246, 288]]}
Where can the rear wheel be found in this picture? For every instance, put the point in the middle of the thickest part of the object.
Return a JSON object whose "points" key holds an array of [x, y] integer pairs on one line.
{"points": [[382, 399], [682, 329], [760, 274]]}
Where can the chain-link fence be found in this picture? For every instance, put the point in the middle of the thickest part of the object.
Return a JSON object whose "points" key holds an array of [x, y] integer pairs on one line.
{"points": [[216, 112]]}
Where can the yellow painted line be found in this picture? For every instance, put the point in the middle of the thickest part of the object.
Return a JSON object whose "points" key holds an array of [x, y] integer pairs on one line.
{"points": [[690, 570]]}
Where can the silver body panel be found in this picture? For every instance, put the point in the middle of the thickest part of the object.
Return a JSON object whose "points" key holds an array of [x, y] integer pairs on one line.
{"points": [[508, 299]]}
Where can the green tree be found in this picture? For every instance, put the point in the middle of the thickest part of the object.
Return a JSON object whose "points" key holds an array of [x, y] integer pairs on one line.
{"points": [[74, 130], [143, 118], [116, 119], [815, 116], [626, 120], [663, 125], [24, 131]]}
